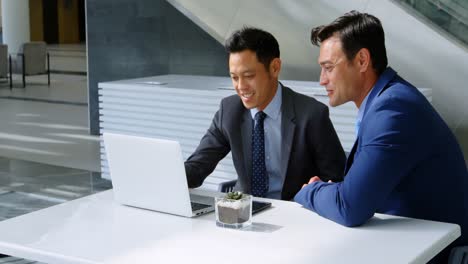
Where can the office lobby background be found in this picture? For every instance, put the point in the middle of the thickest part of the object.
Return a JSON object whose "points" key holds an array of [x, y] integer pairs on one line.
{"points": [[129, 39], [139, 38], [50, 135]]}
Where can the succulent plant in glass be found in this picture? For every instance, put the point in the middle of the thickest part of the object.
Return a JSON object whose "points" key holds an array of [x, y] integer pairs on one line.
{"points": [[234, 195], [234, 210]]}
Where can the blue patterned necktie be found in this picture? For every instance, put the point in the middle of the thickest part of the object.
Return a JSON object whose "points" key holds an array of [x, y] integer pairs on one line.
{"points": [[259, 175]]}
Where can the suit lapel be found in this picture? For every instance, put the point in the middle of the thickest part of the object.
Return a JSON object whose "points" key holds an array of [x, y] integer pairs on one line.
{"points": [[379, 87], [288, 126], [350, 159], [246, 130]]}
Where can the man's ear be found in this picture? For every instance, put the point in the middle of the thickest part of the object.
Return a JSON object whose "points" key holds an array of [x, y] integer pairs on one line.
{"points": [[363, 59], [275, 67]]}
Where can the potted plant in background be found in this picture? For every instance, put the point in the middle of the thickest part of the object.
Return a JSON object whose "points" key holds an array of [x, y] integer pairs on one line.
{"points": [[234, 210]]}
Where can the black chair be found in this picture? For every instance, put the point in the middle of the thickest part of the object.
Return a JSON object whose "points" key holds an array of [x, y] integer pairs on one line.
{"points": [[459, 255], [227, 186]]}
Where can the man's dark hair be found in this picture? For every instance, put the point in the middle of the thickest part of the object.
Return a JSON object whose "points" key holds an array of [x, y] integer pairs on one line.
{"points": [[356, 31], [259, 41]]}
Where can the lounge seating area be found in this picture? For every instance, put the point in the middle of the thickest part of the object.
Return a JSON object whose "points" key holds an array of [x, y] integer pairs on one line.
{"points": [[32, 59]]}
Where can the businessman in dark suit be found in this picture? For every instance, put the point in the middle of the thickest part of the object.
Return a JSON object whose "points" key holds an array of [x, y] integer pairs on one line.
{"points": [[278, 138], [405, 160]]}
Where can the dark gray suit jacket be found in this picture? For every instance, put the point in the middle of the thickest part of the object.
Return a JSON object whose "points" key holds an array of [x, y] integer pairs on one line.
{"points": [[310, 145]]}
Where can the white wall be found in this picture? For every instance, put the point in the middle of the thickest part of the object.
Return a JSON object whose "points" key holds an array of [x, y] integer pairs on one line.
{"points": [[15, 21], [419, 53]]}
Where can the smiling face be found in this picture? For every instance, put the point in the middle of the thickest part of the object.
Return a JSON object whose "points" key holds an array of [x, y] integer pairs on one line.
{"points": [[340, 76], [255, 85]]}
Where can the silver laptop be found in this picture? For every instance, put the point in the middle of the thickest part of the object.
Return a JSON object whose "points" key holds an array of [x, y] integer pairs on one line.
{"points": [[149, 173]]}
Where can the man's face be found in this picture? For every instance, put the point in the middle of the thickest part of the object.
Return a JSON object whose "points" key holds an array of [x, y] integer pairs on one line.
{"points": [[253, 83], [339, 76]]}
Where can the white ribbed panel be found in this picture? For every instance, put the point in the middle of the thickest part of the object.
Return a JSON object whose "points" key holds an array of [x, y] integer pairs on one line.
{"points": [[181, 107]]}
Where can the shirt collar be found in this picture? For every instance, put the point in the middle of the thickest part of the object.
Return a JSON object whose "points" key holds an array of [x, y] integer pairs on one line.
{"points": [[360, 114], [381, 83], [274, 107]]}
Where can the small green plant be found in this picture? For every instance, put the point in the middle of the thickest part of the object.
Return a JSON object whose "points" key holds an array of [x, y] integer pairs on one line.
{"points": [[234, 195]]}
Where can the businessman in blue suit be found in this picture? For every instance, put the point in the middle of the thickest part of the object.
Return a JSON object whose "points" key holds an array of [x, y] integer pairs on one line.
{"points": [[405, 160]]}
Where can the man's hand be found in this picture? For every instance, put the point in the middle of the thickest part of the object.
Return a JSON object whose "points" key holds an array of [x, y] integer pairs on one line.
{"points": [[314, 179]]}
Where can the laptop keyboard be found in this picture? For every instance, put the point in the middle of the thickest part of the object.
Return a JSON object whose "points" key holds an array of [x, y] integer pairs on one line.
{"points": [[198, 206]]}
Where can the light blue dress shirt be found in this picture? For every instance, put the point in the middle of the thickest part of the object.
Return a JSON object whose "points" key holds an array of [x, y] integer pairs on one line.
{"points": [[272, 126], [360, 114]]}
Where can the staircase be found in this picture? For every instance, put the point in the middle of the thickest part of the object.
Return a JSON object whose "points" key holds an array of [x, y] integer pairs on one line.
{"points": [[68, 58]]}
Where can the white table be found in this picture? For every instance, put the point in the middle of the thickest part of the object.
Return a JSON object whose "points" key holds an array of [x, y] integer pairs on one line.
{"points": [[95, 229]]}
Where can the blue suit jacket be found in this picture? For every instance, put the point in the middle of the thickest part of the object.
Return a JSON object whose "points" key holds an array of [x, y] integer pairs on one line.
{"points": [[405, 162]]}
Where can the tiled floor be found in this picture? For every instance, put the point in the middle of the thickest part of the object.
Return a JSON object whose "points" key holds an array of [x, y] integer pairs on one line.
{"points": [[64, 88], [28, 186], [50, 133]]}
